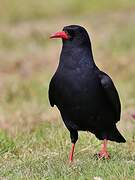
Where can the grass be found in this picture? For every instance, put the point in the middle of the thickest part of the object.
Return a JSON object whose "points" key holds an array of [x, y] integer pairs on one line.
{"points": [[44, 153], [36, 10], [34, 144]]}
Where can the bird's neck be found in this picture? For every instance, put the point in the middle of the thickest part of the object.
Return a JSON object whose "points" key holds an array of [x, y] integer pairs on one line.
{"points": [[76, 57]]}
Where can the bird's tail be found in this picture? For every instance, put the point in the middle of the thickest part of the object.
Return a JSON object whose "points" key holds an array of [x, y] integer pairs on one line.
{"points": [[115, 135]]}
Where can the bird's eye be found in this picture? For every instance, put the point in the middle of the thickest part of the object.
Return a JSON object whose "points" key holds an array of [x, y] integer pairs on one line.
{"points": [[71, 34]]}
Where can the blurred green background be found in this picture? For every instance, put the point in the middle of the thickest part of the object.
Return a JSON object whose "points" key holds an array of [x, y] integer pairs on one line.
{"points": [[28, 59]]}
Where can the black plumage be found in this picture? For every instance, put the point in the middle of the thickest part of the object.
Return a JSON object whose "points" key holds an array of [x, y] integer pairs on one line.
{"points": [[85, 96]]}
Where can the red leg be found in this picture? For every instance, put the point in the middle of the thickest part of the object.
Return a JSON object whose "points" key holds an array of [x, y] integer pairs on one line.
{"points": [[71, 153], [103, 153]]}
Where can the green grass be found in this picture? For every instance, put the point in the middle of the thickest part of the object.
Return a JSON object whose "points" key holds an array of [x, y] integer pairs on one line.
{"points": [[34, 143], [44, 154], [35, 10]]}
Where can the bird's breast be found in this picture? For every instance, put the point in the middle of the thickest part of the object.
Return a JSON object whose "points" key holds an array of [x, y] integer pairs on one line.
{"points": [[81, 98], [77, 88]]}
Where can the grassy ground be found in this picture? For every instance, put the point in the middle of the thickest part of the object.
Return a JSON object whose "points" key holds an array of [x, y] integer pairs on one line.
{"points": [[34, 144]]}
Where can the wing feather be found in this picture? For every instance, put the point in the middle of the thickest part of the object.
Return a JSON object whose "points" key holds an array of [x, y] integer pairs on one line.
{"points": [[51, 92], [111, 93]]}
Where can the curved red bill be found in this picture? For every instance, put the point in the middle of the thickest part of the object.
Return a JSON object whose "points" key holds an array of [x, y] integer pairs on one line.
{"points": [[61, 34]]}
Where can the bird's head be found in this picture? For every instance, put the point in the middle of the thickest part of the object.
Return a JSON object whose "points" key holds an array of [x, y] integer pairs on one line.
{"points": [[73, 35]]}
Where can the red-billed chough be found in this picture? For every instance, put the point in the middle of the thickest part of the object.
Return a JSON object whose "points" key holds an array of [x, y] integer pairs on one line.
{"points": [[85, 96]]}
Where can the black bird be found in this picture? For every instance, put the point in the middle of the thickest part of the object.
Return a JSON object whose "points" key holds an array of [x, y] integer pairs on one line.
{"points": [[85, 96]]}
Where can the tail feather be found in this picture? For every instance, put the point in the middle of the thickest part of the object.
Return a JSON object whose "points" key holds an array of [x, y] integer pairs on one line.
{"points": [[115, 135]]}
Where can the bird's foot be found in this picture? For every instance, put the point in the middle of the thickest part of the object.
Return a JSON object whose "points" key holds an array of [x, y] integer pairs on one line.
{"points": [[103, 154], [70, 162]]}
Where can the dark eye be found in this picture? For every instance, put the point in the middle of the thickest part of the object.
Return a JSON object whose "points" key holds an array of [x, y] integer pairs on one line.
{"points": [[71, 34]]}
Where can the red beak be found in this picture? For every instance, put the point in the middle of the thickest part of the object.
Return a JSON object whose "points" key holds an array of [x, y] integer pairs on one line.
{"points": [[61, 34]]}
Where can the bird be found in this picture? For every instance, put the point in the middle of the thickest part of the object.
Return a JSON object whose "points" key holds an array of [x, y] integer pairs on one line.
{"points": [[85, 95]]}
